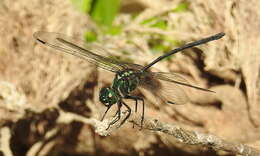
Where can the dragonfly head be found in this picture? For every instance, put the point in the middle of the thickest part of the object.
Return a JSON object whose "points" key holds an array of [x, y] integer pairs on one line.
{"points": [[107, 96]]}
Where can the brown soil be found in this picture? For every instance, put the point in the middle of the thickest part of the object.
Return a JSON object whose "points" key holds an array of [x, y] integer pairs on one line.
{"points": [[36, 83]]}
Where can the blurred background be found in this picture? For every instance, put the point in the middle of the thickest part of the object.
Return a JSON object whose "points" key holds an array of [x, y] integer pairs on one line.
{"points": [[36, 82]]}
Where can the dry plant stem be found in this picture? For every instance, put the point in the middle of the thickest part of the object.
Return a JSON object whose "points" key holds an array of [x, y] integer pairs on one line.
{"points": [[184, 136], [44, 146], [5, 135], [195, 138]]}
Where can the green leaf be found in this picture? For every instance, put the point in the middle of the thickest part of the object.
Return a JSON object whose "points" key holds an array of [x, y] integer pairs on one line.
{"points": [[156, 44], [149, 20], [114, 30], [155, 22], [82, 5], [104, 11], [182, 7], [158, 48], [90, 36], [173, 42], [162, 24]]}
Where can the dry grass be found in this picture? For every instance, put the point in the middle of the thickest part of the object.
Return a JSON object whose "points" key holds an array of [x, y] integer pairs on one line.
{"points": [[34, 77]]}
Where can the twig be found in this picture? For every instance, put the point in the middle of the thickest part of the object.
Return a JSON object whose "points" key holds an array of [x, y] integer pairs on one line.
{"points": [[5, 135], [100, 127], [44, 146], [195, 138], [182, 135]]}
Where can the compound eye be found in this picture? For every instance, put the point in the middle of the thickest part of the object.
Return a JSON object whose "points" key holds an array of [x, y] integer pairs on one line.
{"points": [[107, 96]]}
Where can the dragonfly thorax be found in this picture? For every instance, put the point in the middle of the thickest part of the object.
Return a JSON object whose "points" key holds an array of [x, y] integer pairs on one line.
{"points": [[125, 82]]}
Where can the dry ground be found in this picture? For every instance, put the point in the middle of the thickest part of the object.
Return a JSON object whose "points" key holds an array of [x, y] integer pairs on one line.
{"points": [[36, 83]]}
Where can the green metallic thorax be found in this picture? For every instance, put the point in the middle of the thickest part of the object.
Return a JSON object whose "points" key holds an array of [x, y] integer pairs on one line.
{"points": [[125, 82]]}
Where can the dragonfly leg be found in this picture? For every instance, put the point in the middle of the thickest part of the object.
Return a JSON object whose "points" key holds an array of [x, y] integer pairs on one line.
{"points": [[116, 113], [119, 105], [136, 98], [142, 118], [105, 112], [141, 99], [136, 102], [127, 116]]}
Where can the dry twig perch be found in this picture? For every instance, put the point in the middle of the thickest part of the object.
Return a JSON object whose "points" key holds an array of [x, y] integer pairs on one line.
{"points": [[196, 138], [190, 137]]}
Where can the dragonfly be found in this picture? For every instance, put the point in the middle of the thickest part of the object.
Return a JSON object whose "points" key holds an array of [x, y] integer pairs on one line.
{"points": [[128, 76]]}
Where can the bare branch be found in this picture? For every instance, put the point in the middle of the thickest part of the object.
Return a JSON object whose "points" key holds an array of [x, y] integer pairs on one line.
{"points": [[182, 135], [195, 138], [5, 135]]}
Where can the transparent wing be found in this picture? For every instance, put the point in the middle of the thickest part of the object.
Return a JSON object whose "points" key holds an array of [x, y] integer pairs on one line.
{"points": [[79, 48], [167, 86], [177, 79], [167, 91], [133, 66]]}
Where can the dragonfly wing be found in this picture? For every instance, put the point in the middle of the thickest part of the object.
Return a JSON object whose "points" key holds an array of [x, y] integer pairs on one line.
{"points": [[177, 79], [79, 48], [168, 91], [169, 86], [133, 66]]}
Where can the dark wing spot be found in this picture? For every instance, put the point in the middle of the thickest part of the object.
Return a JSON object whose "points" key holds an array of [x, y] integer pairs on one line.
{"points": [[41, 41]]}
